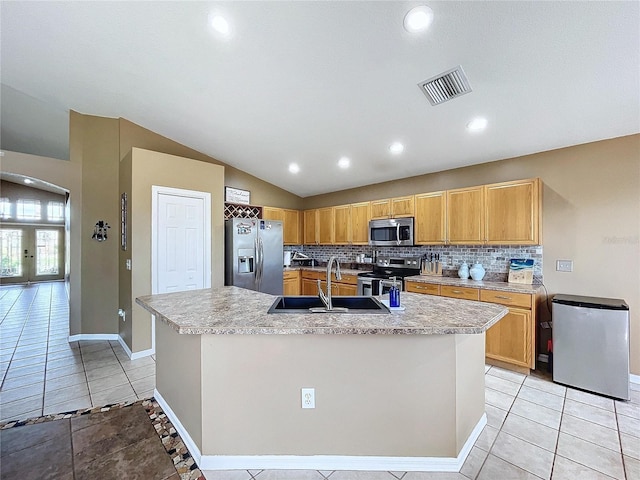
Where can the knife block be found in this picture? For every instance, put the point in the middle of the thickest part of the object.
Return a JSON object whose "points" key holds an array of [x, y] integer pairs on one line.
{"points": [[431, 269]]}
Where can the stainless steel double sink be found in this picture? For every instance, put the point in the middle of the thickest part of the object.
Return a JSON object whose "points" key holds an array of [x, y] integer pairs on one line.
{"points": [[352, 305]]}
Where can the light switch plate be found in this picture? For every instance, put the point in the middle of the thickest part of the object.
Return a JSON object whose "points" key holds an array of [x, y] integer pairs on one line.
{"points": [[564, 265]]}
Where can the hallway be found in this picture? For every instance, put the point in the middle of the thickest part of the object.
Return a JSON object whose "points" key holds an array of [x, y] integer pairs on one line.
{"points": [[42, 373]]}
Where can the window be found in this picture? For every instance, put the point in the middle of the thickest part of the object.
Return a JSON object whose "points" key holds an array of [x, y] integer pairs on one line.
{"points": [[46, 252], [5, 208], [55, 211], [28, 209], [10, 253]]}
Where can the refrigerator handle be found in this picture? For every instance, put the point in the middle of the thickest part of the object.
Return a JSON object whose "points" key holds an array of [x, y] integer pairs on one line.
{"points": [[256, 255], [261, 247]]}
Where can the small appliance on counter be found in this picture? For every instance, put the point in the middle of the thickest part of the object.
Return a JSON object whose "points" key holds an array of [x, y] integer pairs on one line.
{"points": [[302, 259]]}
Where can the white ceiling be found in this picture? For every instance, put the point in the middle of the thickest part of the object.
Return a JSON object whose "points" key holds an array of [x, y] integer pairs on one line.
{"points": [[313, 81]]}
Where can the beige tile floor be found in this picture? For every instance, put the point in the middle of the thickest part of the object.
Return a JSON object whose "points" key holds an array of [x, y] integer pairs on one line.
{"points": [[536, 428], [42, 373]]}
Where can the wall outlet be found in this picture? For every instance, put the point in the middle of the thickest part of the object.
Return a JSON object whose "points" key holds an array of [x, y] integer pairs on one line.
{"points": [[308, 398], [564, 265]]}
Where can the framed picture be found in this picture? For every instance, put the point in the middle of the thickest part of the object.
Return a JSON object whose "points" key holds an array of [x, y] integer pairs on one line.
{"points": [[123, 221], [235, 195]]}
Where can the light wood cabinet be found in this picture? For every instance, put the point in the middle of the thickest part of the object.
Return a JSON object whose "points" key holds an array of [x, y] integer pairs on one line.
{"points": [[430, 209], [402, 206], [510, 340], [309, 287], [465, 216], [392, 207], [291, 224], [464, 293], [291, 283], [325, 226], [311, 227], [342, 224], [360, 216], [419, 287], [513, 212], [510, 343]]}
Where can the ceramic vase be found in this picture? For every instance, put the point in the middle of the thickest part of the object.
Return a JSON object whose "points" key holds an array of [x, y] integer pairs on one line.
{"points": [[463, 273], [477, 271]]}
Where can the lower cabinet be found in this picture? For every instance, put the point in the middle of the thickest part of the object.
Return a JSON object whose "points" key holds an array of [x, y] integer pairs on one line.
{"points": [[291, 283], [510, 343], [346, 287]]}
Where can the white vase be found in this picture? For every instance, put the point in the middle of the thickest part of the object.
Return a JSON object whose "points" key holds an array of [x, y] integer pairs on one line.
{"points": [[463, 273], [477, 271]]}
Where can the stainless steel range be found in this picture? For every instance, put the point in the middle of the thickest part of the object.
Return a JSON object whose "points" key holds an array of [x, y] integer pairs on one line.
{"points": [[378, 282]]}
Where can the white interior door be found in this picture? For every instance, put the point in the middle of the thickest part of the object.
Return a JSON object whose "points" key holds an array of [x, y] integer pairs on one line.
{"points": [[181, 245]]}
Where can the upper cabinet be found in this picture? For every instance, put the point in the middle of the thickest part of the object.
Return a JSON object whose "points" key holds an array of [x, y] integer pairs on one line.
{"points": [[291, 225], [392, 207], [513, 212], [351, 224], [311, 227], [465, 216], [325, 226], [430, 218]]}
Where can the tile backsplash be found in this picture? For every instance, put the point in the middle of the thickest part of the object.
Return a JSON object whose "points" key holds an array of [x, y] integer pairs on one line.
{"points": [[494, 258]]}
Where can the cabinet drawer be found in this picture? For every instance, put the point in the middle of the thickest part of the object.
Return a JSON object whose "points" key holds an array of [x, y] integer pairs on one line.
{"points": [[290, 275], [465, 293], [419, 287], [346, 278], [313, 275], [506, 298]]}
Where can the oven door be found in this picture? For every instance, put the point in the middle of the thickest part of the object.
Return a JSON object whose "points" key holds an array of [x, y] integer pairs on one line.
{"points": [[385, 286], [368, 287]]}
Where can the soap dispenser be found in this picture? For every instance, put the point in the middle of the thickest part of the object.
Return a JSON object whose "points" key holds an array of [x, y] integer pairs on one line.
{"points": [[394, 294]]}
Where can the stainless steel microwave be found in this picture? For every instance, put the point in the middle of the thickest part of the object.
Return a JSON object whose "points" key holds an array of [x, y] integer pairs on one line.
{"points": [[391, 232]]}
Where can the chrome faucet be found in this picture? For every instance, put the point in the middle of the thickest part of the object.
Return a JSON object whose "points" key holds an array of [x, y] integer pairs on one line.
{"points": [[326, 298]]}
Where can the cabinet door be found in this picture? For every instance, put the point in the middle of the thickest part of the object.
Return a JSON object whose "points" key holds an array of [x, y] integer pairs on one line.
{"points": [[402, 206], [345, 290], [291, 286], [509, 340], [291, 225], [272, 213], [430, 218], [380, 208], [310, 227], [465, 215], [360, 216], [464, 293], [342, 224], [325, 226], [309, 287], [513, 212]]}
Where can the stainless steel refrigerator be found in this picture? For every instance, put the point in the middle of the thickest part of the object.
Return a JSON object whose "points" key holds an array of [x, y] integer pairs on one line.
{"points": [[254, 254], [591, 344]]}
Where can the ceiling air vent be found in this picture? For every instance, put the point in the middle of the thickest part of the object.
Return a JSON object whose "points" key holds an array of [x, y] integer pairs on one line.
{"points": [[446, 86]]}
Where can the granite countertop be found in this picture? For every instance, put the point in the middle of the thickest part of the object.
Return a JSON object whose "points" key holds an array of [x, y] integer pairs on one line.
{"points": [[234, 310], [457, 282]]}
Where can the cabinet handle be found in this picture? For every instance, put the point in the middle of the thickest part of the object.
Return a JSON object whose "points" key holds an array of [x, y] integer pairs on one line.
{"points": [[502, 297], [457, 291]]}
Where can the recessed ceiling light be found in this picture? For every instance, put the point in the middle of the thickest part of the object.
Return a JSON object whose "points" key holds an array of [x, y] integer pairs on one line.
{"points": [[28, 181], [477, 124], [396, 148], [418, 19], [294, 168], [220, 25], [344, 162]]}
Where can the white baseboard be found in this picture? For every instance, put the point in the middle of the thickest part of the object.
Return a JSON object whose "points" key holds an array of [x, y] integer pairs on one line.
{"points": [[186, 438], [94, 336], [136, 355], [321, 462]]}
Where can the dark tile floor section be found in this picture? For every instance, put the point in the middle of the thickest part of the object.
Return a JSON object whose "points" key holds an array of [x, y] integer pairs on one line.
{"points": [[117, 444]]}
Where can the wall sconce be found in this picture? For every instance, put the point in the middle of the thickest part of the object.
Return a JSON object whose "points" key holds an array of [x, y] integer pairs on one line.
{"points": [[100, 231]]}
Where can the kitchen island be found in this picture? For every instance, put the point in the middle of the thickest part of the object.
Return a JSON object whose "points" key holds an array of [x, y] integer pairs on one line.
{"points": [[401, 391]]}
